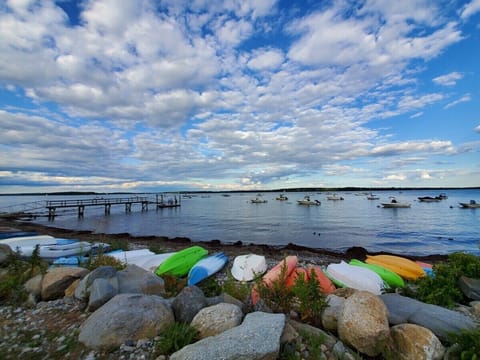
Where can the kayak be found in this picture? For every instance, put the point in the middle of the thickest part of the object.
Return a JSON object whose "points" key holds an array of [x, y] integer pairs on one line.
{"points": [[289, 264], [297, 273], [404, 267], [356, 277], [206, 267], [152, 262], [246, 267], [391, 278], [326, 285], [180, 263], [14, 234]]}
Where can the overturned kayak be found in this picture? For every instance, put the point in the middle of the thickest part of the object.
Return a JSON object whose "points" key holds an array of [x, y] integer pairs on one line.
{"points": [[404, 267], [247, 267], [286, 266], [355, 277], [180, 263], [391, 278], [206, 267]]}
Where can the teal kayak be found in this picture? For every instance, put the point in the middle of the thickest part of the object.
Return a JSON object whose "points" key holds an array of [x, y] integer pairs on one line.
{"points": [[389, 277], [180, 263]]}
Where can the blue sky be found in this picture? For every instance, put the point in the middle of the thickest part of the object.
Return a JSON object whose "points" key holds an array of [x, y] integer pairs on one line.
{"points": [[136, 95]]}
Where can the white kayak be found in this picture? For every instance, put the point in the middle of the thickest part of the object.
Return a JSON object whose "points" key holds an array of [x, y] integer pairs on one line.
{"points": [[246, 267], [206, 267], [152, 262], [355, 277], [53, 250], [29, 241], [134, 257]]}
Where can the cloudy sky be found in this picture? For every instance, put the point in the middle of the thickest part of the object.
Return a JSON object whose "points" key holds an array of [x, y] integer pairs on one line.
{"points": [[138, 95]]}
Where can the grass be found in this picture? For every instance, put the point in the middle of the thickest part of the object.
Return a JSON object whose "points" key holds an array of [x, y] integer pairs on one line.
{"points": [[177, 336]]}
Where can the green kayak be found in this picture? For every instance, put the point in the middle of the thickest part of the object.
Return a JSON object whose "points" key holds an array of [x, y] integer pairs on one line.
{"points": [[180, 263], [389, 277]]}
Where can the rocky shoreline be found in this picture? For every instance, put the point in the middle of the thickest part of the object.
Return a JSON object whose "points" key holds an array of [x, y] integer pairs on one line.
{"points": [[275, 253]]}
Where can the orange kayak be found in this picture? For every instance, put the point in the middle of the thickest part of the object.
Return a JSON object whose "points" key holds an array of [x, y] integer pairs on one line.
{"points": [[326, 285], [274, 274]]}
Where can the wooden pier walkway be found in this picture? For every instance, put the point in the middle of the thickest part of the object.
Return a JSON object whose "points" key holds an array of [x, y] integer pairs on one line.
{"points": [[80, 204]]}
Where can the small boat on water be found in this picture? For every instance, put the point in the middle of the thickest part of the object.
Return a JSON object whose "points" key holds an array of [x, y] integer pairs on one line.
{"points": [[334, 197], [470, 205], [372, 197], [429, 199], [395, 204], [258, 200], [307, 201], [281, 197]]}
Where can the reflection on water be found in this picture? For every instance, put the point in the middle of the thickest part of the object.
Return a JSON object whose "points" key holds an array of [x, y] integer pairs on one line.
{"points": [[425, 228]]}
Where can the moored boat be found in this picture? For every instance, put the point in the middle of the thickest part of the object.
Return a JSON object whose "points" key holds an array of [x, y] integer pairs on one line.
{"points": [[281, 197], [258, 200], [470, 205], [334, 197], [307, 201], [395, 204]]}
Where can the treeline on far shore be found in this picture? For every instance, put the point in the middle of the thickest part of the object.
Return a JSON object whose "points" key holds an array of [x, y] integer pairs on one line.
{"points": [[299, 189]]}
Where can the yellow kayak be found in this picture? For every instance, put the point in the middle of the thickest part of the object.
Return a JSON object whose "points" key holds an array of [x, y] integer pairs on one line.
{"points": [[404, 267]]}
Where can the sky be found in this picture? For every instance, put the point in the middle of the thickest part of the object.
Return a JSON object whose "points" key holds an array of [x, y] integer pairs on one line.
{"points": [[177, 95]]}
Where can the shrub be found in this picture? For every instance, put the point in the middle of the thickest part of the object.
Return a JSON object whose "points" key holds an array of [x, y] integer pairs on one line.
{"points": [[175, 337], [103, 260], [443, 289], [467, 344]]}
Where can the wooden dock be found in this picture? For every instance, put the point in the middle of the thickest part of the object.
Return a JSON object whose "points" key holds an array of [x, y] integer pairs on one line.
{"points": [[80, 204]]}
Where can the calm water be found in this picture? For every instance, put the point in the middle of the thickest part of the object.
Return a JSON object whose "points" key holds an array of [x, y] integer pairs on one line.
{"points": [[423, 229]]}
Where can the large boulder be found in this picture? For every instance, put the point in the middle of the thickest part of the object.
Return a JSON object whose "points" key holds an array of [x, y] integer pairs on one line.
{"points": [[363, 323], [134, 279], [188, 303], [101, 291], [57, 280], [258, 337], [330, 314], [439, 320], [470, 287], [410, 341], [5, 253], [216, 319], [82, 292], [125, 317]]}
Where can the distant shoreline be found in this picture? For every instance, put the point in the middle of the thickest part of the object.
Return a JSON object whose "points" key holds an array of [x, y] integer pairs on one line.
{"points": [[319, 189]]}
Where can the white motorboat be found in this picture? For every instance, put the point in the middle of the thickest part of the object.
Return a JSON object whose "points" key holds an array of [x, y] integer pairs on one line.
{"points": [[373, 197], [307, 201], [395, 204], [334, 197], [281, 197], [258, 200], [470, 205]]}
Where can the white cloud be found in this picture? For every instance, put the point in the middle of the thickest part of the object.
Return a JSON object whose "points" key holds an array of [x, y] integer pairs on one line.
{"points": [[464, 98], [266, 59], [470, 9], [448, 79], [477, 129]]}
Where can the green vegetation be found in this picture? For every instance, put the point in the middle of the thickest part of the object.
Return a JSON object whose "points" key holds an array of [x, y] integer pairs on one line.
{"points": [[177, 336], [467, 345], [102, 260], [15, 273], [443, 288]]}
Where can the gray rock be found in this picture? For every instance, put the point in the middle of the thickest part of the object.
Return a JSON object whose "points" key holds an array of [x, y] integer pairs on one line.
{"points": [[258, 337], [5, 252], [101, 291], [330, 314], [439, 320], [57, 280], [213, 320], [470, 287], [125, 317], [188, 303], [133, 279], [34, 286], [82, 292]]}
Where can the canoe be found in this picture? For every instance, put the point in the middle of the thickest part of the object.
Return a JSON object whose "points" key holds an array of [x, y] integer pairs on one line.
{"points": [[247, 267], [356, 277], [53, 251], [180, 263], [404, 267], [289, 263], [326, 285], [391, 278], [206, 267]]}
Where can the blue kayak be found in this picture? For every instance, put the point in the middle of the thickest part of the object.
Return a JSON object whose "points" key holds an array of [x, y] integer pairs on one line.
{"points": [[206, 267]]}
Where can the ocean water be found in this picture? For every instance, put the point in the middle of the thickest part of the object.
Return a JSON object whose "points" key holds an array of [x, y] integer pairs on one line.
{"points": [[424, 229]]}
